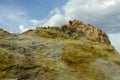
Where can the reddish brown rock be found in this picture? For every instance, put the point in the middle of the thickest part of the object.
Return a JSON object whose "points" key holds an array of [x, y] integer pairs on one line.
{"points": [[88, 31]]}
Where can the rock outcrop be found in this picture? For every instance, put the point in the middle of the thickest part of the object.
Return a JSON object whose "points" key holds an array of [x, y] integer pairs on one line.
{"points": [[75, 29], [71, 52], [87, 31]]}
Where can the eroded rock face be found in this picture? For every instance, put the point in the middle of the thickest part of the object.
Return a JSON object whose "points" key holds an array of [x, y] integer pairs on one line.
{"points": [[88, 31]]}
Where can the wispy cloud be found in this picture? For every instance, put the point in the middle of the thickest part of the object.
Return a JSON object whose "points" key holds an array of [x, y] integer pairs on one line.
{"points": [[22, 28], [104, 14], [101, 13], [35, 22], [11, 18], [115, 39], [55, 18]]}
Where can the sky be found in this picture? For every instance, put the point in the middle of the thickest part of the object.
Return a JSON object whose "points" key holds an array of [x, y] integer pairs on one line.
{"points": [[20, 15]]}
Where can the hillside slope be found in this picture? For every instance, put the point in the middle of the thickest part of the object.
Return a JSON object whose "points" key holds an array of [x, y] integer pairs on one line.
{"points": [[74, 51]]}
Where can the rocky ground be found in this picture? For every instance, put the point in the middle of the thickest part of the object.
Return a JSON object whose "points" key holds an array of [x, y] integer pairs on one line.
{"points": [[74, 51]]}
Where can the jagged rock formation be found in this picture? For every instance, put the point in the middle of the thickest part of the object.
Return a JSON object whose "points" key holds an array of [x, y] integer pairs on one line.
{"points": [[79, 29], [70, 52], [76, 29], [88, 31]]}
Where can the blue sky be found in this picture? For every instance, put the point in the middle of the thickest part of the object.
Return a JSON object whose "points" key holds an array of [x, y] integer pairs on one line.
{"points": [[20, 15], [34, 8], [14, 13]]}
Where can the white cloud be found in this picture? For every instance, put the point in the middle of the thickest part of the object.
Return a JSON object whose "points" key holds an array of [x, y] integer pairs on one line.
{"points": [[54, 19], [110, 3], [11, 17], [11, 14], [22, 28], [35, 22], [115, 40], [101, 13], [89, 10], [16, 16]]}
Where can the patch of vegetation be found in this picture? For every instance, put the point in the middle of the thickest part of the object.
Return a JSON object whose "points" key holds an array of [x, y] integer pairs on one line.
{"points": [[3, 32], [76, 53], [45, 61], [6, 60], [85, 52], [49, 33]]}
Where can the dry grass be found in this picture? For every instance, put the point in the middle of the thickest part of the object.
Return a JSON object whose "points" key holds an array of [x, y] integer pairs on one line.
{"points": [[47, 33], [6, 61], [45, 61], [83, 51]]}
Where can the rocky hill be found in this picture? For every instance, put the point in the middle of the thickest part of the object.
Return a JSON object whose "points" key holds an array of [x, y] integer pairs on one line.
{"points": [[74, 29], [74, 51]]}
